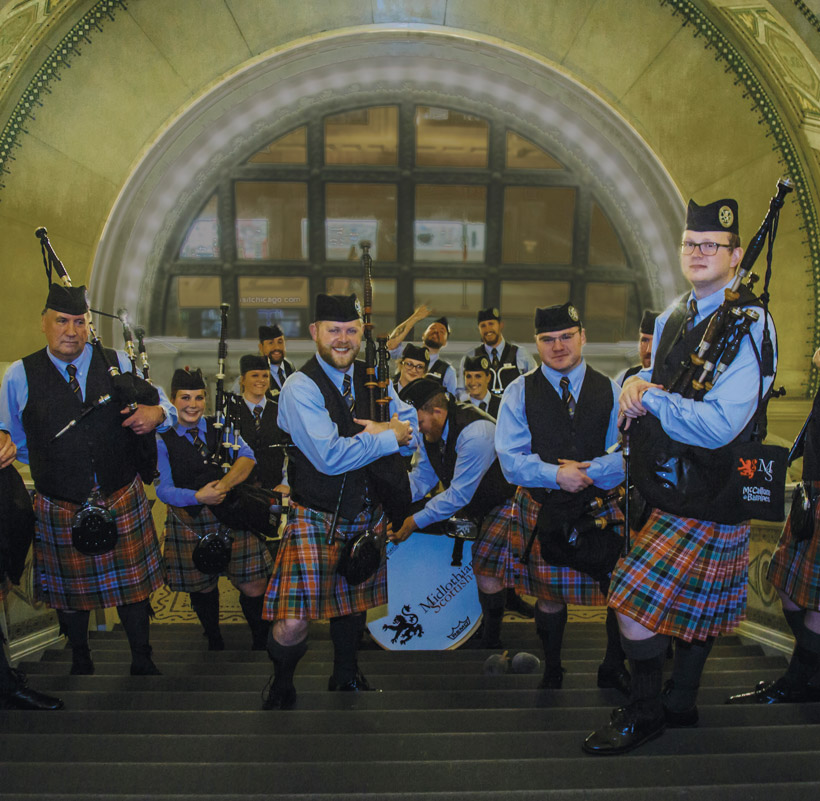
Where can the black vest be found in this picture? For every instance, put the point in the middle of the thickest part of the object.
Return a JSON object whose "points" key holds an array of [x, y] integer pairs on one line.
{"points": [[97, 445], [383, 481], [811, 444], [557, 436], [493, 489], [439, 369], [507, 370], [189, 469], [287, 368], [492, 406], [269, 461], [673, 476], [634, 370]]}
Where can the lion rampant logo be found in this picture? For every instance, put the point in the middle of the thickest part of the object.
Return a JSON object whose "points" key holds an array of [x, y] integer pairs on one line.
{"points": [[406, 625]]}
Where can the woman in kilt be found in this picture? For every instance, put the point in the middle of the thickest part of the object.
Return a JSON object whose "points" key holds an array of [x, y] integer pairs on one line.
{"points": [[191, 482]]}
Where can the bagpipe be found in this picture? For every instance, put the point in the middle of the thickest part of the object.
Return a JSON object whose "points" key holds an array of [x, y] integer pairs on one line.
{"points": [[94, 529], [744, 479], [387, 476], [245, 507]]}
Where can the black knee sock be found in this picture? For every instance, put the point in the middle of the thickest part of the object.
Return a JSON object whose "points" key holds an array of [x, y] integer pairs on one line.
{"points": [[206, 606], [344, 633], [492, 607], [646, 660], [135, 620], [75, 627], [252, 609], [690, 659], [615, 655], [285, 658], [550, 627], [794, 619], [805, 659]]}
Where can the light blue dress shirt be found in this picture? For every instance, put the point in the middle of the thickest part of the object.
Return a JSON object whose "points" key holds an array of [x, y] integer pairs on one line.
{"points": [[449, 379], [523, 361], [513, 439]]}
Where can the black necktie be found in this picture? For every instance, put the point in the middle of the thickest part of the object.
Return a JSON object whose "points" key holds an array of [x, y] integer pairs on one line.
{"points": [[257, 417], [347, 392], [483, 406], [281, 376], [691, 313], [567, 398], [71, 369], [494, 359], [201, 447]]}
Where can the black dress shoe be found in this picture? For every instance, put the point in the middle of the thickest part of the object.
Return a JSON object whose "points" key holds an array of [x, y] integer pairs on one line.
{"points": [[358, 684], [215, 641], [625, 731], [614, 677], [678, 718], [552, 679], [781, 691], [81, 664], [23, 697], [144, 666], [280, 698]]}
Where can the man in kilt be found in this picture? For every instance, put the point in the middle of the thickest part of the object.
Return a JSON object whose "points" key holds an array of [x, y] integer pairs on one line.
{"points": [[795, 573], [554, 427], [40, 395], [322, 407], [16, 534], [191, 482], [685, 576]]}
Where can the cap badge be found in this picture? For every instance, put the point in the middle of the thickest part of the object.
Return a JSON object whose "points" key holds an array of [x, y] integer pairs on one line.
{"points": [[572, 313], [725, 216]]}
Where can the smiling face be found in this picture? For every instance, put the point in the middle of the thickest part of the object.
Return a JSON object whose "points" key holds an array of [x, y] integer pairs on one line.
{"points": [[435, 336], [411, 369], [561, 350], [337, 343], [273, 349], [190, 405], [477, 383], [255, 383], [490, 331], [708, 274], [66, 334]]}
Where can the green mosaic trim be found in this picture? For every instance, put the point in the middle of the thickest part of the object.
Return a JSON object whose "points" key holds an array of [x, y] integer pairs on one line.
{"points": [[767, 112], [808, 14], [59, 59]]}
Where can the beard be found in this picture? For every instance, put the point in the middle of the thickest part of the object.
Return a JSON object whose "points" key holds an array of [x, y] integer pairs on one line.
{"points": [[341, 361], [432, 343]]}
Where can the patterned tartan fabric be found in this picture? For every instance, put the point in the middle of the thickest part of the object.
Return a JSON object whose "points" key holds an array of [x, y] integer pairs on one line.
{"points": [[65, 579], [504, 537], [250, 559], [684, 577], [795, 566], [305, 584]]}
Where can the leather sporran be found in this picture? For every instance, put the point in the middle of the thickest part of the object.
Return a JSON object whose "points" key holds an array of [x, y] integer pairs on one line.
{"points": [[361, 557], [801, 516], [249, 508], [213, 552], [94, 528]]}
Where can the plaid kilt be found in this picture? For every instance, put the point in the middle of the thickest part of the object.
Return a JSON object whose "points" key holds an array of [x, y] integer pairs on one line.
{"points": [[684, 577], [504, 536], [795, 566], [66, 579], [305, 584], [250, 559]]}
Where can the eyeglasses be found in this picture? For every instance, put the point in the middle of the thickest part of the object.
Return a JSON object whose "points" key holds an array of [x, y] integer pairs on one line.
{"points": [[414, 368], [553, 340], [687, 247]]}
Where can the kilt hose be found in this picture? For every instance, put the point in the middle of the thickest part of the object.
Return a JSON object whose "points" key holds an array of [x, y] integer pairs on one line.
{"points": [[304, 584], [683, 577], [504, 536], [66, 579], [795, 566], [250, 559]]}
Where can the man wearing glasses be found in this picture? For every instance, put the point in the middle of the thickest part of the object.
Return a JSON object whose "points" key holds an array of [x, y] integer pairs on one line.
{"points": [[684, 578], [413, 365], [554, 427]]}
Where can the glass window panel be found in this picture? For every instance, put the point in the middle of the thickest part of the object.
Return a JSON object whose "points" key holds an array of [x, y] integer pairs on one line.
{"points": [[524, 155], [604, 247], [384, 299], [457, 300], [193, 306], [202, 239], [518, 302], [605, 311], [449, 224], [538, 224], [288, 149], [271, 220], [447, 138], [364, 136], [199, 291], [293, 321], [268, 292], [356, 212]]}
